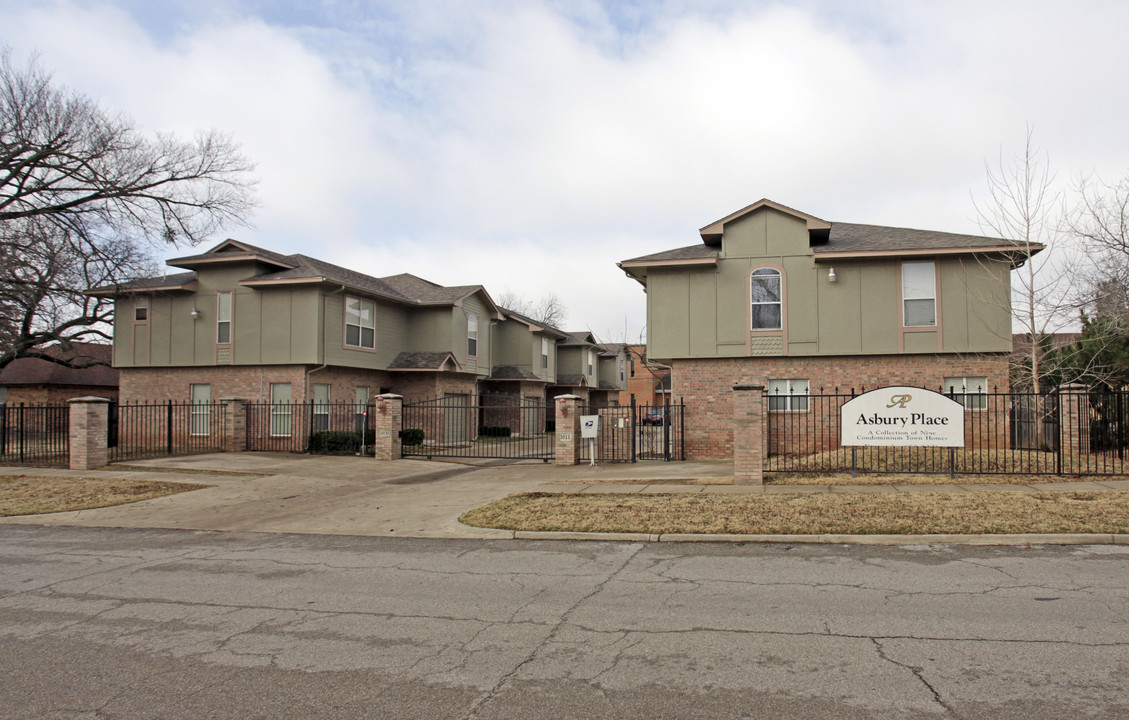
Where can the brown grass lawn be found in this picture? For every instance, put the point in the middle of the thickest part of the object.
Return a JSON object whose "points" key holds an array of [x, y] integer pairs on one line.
{"points": [[32, 495], [807, 514]]}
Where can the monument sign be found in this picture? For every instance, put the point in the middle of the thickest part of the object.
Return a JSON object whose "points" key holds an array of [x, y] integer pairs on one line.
{"points": [[902, 416]]}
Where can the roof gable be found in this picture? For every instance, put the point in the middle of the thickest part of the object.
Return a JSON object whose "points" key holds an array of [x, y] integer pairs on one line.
{"points": [[711, 234]]}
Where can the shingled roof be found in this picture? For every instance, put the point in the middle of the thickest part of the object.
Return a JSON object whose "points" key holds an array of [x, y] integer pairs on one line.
{"points": [[300, 269], [37, 371], [839, 240]]}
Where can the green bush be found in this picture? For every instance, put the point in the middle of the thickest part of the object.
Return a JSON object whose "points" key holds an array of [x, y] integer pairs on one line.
{"points": [[411, 436], [493, 431], [340, 442]]}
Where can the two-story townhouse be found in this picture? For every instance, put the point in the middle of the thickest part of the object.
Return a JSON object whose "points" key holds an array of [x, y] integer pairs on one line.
{"points": [[779, 297], [524, 366], [577, 366], [611, 374], [250, 323]]}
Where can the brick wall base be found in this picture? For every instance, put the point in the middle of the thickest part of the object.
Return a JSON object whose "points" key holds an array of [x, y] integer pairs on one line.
{"points": [[707, 384]]}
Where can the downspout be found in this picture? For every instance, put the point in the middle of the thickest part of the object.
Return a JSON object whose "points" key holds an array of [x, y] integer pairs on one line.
{"points": [[321, 341]]}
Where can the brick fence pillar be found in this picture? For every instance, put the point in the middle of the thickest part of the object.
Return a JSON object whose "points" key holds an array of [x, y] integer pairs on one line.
{"points": [[748, 434], [567, 444], [1075, 404], [89, 417], [234, 424], [387, 421]]}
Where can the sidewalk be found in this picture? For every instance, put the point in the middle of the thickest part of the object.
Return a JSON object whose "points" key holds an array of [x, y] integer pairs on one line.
{"points": [[276, 492]]}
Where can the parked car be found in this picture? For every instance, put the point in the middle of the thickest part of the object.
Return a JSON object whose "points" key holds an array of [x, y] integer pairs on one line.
{"points": [[655, 417]]}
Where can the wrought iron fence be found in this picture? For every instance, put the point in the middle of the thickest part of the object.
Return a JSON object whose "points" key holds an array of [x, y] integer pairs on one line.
{"points": [[341, 428], [139, 430], [483, 426], [1065, 433], [629, 433], [34, 434]]}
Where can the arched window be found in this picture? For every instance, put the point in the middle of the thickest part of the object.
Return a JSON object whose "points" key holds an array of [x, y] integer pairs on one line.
{"points": [[764, 296]]}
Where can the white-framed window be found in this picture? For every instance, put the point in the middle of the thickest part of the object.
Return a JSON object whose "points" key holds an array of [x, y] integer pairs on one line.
{"points": [[919, 294], [280, 409], [472, 335], [622, 370], [321, 406], [544, 353], [360, 323], [766, 311], [223, 317], [141, 309], [972, 392], [201, 412], [788, 395], [591, 361]]}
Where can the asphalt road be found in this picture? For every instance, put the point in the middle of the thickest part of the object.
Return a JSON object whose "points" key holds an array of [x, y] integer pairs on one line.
{"points": [[118, 623]]}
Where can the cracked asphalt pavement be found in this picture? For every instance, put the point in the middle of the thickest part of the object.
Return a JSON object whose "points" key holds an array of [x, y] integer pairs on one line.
{"points": [[146, 623]]}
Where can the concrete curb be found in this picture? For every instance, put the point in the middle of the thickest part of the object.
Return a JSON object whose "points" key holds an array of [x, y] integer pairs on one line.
{"points": [[1001, 540]]}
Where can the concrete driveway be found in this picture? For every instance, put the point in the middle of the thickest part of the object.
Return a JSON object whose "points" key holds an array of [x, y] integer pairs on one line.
{"points": [[276, 492]]}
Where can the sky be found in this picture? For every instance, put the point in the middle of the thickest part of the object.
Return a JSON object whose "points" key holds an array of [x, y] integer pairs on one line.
{"points": [[528, 146]]}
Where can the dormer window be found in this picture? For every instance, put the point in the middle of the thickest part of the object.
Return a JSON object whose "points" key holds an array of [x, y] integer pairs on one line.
{"points": [[766, 311]]}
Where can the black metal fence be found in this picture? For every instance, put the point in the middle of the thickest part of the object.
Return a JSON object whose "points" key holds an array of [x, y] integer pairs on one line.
{"points": [[34, 434], [342, 428], [482, 426], [629, 433], [1064, 433], [140, 430]]}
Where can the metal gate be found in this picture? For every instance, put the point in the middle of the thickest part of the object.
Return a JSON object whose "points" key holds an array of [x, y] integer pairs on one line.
{"points": [[629, 433], [484, 426]]}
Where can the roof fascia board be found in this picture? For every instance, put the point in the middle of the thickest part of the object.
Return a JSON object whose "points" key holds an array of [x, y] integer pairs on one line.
{"points": [[863, 254], [190, 286]]}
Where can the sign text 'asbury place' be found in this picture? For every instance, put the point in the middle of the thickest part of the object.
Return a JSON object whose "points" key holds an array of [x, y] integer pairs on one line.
{"points": [[902, 416]]}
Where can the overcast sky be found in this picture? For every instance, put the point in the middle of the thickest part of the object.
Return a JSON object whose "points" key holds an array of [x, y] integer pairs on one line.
{"points": [[531, 145]]}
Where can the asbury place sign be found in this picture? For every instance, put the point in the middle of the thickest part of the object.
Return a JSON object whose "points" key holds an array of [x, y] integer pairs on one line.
{"points": [[902, 416]]}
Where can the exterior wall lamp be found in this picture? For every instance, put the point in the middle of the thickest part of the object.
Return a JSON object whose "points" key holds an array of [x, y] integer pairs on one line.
{"points": [[831, 277], [194, 313]]}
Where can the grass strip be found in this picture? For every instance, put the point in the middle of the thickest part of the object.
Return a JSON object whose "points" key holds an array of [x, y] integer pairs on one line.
{"points": [[32, 495], [824, 513]]}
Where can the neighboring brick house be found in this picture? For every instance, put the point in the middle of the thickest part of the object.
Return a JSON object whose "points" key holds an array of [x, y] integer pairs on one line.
{"points": [[249, 323], [648, 382], [782, 298], [42, 382]]}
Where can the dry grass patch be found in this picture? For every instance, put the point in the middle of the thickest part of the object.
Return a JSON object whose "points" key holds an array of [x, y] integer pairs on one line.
{"points": [[803, 514], [32, 495], [917, 479]]}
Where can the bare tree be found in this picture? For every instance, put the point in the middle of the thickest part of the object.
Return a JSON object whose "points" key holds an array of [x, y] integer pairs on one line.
{"points": [[85, 196], [549, 310], [1023, 205]]}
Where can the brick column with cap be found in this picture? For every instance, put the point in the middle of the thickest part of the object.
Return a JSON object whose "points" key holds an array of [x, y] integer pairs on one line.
{"points": [[235, 424], [748, 433], [89, 418], [567, 443], [387, 421]]}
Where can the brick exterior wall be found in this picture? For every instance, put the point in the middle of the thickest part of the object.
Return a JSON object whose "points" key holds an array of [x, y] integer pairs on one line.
{"points": [[253, 382], [707, 385], [55, 394]]}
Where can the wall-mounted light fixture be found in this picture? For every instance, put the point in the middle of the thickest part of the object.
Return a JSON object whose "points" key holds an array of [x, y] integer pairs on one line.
{"points": [[831, 277], [194, 313]]}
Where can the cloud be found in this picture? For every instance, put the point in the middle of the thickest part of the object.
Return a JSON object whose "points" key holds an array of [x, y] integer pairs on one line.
{"points": [[531, 145]]}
